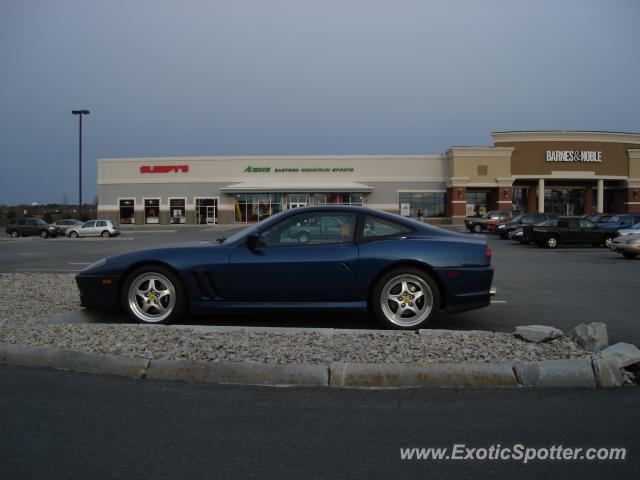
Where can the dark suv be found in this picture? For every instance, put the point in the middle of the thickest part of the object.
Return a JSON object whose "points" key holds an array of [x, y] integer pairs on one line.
{"points": [[25, 227], [522, 220]]}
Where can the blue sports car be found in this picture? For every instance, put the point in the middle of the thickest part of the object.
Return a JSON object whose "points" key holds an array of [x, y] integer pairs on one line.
{"points": [[330, 257]]}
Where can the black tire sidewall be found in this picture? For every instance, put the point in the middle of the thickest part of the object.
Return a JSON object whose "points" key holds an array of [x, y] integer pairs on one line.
{"points": [[374, 297], [181, 298]]}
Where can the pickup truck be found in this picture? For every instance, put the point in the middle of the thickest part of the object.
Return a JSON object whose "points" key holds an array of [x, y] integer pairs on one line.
{"points": [[573, 230]]}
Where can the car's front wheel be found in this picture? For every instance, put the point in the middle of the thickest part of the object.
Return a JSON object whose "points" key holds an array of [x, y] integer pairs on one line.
{"points": [[153, 294], [14, 234], [630, 255], [105, 234], [608, 241], [73, 234], [44, 234], [405, 299], [552, 242], [477, 228]]}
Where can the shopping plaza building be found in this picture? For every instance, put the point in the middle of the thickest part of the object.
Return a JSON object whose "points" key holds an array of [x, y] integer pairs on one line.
{"points": [[563, 172]]}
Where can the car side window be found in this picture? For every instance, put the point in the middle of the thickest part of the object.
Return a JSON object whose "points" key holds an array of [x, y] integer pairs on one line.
{"points": [[88, 224], [528, 219], [22, 222], [311, 228], [101, 223], [587, 224], [376, 227]]}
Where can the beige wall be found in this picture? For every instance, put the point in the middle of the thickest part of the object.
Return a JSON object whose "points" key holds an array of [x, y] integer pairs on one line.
{"points": [[464, 163]]}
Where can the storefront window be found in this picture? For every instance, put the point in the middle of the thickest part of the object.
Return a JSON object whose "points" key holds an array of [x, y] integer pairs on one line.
{"points": [[177, 209], [253, 207], [432, 204], [297, 200], [564, 201], [127, 211], [152, 210], [337, 198], [477, 203]]}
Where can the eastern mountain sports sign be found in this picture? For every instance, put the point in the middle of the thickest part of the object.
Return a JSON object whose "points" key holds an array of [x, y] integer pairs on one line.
{"points": [[164, 169], [574, 156], [251, 169]]}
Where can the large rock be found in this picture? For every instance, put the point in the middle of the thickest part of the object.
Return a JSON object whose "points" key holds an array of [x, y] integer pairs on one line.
{"points": [[623, 354], [592, 337], [537, 333]]}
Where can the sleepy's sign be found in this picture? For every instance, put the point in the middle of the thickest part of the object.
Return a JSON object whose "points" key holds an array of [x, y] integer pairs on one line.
{"points": [[164, 168]]}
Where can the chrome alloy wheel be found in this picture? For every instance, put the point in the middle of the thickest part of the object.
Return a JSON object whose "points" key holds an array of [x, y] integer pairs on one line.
{"points": [[406, 300], [151, 297]]}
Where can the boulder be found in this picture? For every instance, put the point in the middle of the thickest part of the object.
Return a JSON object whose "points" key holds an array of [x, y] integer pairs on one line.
{"points": [[623, 354], [592, 337], [537, 333]]}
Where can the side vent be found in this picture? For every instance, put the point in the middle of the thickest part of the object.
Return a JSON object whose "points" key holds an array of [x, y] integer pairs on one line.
{"points": [[205, 285]]}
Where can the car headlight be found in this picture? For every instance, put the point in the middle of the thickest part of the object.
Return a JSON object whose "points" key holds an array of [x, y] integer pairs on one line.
{"points": [[502, 226], [97, 264]]}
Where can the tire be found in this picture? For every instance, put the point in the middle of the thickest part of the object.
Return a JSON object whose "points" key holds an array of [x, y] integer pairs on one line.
{"points": [[105, 234], [44, 234], [304, 237], [14, 234], [477, 228], [157, 289], [630, 256], [523, 242], [389, 303], [73, 234], [607, 241], [551, 242]]}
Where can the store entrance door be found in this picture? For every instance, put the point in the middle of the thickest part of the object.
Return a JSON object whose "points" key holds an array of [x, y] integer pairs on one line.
{"points": [[206, 210], [564, 201]]}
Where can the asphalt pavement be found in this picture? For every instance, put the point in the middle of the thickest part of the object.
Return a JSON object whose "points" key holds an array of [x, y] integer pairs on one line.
{"points": [[561, 287], [68, 425]]}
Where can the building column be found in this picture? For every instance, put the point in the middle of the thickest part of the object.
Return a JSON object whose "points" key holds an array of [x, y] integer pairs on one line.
{"points": [[541, 195], [600, 197]]}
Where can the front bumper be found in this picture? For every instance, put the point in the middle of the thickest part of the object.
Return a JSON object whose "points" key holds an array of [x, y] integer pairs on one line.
{"points": [[99, 291]]}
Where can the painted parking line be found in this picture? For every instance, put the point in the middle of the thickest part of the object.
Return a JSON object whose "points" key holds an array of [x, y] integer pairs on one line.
{"points": [[79, 263], [149, 231], [498, 301]]}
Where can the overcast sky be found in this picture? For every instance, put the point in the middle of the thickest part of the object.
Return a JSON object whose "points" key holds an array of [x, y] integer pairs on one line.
{"points": [[272, 77]]}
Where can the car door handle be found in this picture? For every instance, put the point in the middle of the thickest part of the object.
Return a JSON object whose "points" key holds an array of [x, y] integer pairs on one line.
{"points": [[345, 266]]}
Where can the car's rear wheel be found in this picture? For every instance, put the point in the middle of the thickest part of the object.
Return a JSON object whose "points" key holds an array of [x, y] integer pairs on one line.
{"points": [[44, 234], [630, 255], [477, 228], [551, 242], [14, 234], [73, 234], [405, 298], [105, 234], [153, 294]]}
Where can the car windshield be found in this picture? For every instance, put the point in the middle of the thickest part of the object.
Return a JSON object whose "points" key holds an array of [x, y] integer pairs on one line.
{"points": [[615, 219], [517, 218]]}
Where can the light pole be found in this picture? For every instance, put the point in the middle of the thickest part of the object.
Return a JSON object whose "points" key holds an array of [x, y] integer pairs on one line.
{"points": [[80, 113]]}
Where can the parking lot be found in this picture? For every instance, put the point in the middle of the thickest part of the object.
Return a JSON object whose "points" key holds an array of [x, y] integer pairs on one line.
{"points": [[561, 287]]}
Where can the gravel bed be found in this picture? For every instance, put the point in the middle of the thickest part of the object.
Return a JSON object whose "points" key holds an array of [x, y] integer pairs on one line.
{"points": [[29, 298]]}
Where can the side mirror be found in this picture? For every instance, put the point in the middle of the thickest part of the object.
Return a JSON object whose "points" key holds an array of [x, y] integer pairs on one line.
{"points": [[253, 240]]}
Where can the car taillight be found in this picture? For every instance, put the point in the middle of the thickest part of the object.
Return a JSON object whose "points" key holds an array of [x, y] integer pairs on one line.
{"points": [[488, 253]]}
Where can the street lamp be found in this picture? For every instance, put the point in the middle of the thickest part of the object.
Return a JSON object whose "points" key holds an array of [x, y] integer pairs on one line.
{"points": [[80, 113]]}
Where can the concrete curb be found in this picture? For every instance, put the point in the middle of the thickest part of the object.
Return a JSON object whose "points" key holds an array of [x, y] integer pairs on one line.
{"points": [[585, 372], [394, 375]]}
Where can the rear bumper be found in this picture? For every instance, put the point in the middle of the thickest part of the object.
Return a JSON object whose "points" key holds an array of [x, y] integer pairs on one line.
{"points": [[470, 290]]}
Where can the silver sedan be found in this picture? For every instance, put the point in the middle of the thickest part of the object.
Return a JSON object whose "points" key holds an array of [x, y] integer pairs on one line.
{"points": [[627, 245]]}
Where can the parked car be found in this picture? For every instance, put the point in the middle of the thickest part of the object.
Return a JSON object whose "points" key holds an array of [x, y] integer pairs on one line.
{"points": [[491, 224], [597, 217], [522, 220], [621, 222], [402, 270], [627, 245], [63, 225], [26, 227], [524, 235], [478, 224], [630, 231], [572, 230], [94, 228]]}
